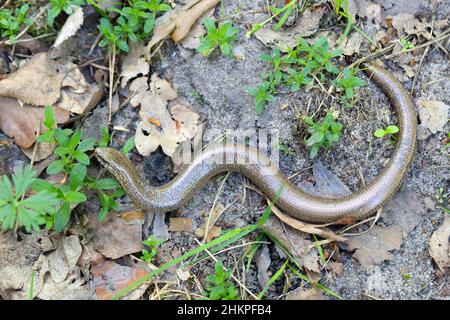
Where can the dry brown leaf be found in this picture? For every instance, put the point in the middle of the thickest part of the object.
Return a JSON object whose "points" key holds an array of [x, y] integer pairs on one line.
{"points": [[17, 259], [134, 64], [439, 246], [375, 245], [352, 44], [157, 126], [313, 293], [295, 242], [43, 151], [138, 87], [214, 232], [81, 103], [38, 82], [63, 260], [71, 26], [366, 9], [110, 278], [406, 24], [433, 115], [179, 21], [307, 25], [405, 209], [113, 238], [192, 40], [21, 123], [180, 224], [262, 259]]}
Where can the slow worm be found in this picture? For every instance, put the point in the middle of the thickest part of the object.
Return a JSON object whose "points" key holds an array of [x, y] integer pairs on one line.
{"points": [[270, 180]]}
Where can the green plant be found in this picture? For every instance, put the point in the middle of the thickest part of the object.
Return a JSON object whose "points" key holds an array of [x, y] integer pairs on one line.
{"points": [[135, 22], [11, 21], [72, 160], [322, 133], [296, 69], [153, 244], [406, 44], [24, 203], [58, 6], [317, 56], [442, 199], [217, 37], [219, 286], [380, 133], [262, 94], [348, 82]]}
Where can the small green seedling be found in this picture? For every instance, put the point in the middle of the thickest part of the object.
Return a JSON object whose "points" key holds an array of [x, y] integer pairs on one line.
{"points": [[24, 203], [11, 21], [153, 244], [59, 6], [348, 82], [323, 133], [262, 95], [217, 37], [219, 286], [71, 158], [442, 199], [135, 22], [406, 44], [390, 130]]}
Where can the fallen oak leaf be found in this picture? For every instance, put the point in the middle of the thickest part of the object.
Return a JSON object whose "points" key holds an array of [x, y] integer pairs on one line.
{"points": [[178, 22]]}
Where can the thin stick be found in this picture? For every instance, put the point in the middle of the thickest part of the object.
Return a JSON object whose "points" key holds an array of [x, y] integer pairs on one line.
{"points": [[112, 61]]}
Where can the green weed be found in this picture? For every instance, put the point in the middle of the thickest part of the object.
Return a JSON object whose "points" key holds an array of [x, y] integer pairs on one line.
{"points": [[219, 286], [12, 20], [217, 37], [153, 245], [389, 130], [322, 133]]}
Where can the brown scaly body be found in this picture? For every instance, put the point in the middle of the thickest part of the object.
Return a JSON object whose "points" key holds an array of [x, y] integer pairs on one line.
{"points": [[270, 180]]}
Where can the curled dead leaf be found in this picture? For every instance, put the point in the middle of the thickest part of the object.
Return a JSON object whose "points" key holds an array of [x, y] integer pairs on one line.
{"points": [[178, 22], [71, 26]]}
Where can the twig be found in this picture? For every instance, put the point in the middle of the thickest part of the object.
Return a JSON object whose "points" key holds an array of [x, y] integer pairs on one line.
{"points": [[304, 227], [112, 62]]}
